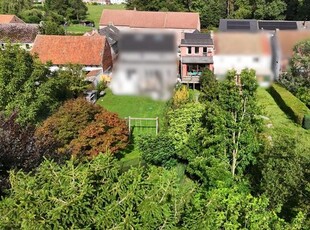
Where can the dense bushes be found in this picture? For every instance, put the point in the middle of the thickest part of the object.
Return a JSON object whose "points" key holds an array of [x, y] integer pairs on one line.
{"points": [[289, 103]]}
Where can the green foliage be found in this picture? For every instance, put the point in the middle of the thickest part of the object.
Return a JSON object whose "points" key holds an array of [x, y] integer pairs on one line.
{"points": [[232, 208], [32, 15], [285, 176], [51, 28], [208, 86], [14, 6], [157, 150], [93, 195], [231, 121], [184, 124], [70, 9], [306, 122], [180, 97], [289, 103], [297, 79], [28, 86]]}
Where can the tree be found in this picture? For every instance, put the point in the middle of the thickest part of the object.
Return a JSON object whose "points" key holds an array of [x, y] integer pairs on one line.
{"points": [[14, 6], [297, 79], [285, 175], [107, 133], [94, 195], [64, 125], [18, 149], [69, 9], [51, 28], [231, 121], [28, 86]]}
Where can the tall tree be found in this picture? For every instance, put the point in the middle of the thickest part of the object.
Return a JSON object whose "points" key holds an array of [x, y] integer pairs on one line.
{"points": [[231, 121]]}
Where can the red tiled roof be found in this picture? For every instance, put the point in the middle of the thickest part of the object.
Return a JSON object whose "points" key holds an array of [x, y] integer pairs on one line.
{"points": [[150, 19], [242, 44], [84, 50], [8, 18], [288, 39]]}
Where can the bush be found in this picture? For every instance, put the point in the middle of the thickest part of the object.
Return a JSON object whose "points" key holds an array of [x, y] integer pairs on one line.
{"points": [[306, 123], [289, 103], [158, 150]]}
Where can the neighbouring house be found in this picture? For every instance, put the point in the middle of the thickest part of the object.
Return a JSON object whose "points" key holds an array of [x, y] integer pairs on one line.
{"points": [[238, 25], [197, 51], [112, 34], [92, 52], [9, 18], [285, 42], [147, 65], [147, 21], [244, 50], [252, 25], [18, 33]]}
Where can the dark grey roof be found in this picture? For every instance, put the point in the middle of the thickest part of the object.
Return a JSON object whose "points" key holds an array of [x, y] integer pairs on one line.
{"points": [[18, 32], [238, 25], [111, 33], [199, 60], [197, 38], [281, 25], [147, 42]]}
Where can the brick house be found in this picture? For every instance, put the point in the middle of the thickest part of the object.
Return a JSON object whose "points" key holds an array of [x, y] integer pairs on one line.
{"points": [[92, 52], [147, 21], [196, 50]]}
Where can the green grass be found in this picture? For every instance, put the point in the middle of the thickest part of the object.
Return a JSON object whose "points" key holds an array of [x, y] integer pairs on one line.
{"points": [[94, 14], [280, 122], [134, 106]]}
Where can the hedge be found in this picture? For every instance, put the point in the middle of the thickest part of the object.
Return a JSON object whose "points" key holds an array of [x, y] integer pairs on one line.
{"points": [[291, 105]]}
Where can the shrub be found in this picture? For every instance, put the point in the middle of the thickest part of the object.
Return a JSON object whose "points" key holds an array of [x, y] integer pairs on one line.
{"points": [[289, 103], [306, 123], [158, 150]]}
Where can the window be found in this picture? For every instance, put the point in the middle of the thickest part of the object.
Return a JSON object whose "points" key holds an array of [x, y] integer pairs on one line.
{"points": [[189, 50], [204, 50], [209, 50], [196, 50]]}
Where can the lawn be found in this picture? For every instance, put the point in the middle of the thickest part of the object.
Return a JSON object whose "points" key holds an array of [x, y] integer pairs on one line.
{"points": [[280, 122], [134, 106], [94, 14]]}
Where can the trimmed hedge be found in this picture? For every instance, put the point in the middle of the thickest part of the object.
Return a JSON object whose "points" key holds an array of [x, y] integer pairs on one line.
{"points": [[291, 105]]}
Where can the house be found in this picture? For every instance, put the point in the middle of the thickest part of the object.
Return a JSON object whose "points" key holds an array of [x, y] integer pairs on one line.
{"points": [[238, 25], [112, 35], [93, 52], [147, 65], [253, 26], [8, 18], [18, 33], [197, 51], [244, 50], [147, 21], [285, 42]]}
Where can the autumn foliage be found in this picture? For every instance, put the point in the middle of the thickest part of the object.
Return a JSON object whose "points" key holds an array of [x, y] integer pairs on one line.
{"points": [[106, 133], [80, 127]]}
